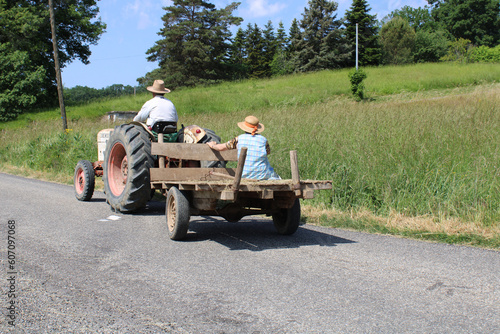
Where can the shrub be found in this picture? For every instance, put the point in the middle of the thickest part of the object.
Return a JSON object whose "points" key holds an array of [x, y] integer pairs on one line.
{"points": [[486, 54], [460, 51], [357, 86]]}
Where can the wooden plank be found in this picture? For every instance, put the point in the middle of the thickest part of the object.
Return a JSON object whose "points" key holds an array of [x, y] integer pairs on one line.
{"points": [[267, 194], [258, 187], [239, 168], [161, 160], [264, 188], [295, 169], [239, 171], [316, 185], [192, 152], [201, 175], [226, 176], [308, 194], [227, 195]]}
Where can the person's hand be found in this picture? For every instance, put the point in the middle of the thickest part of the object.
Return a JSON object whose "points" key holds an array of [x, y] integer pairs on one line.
{"points": [[211, 144]]}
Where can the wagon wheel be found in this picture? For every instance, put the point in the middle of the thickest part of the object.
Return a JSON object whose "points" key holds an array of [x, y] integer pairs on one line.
{"points": [[177, 214], [287, 221], [84, 180]]}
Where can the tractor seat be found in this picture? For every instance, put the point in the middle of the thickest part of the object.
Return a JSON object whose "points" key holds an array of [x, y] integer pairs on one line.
{"points": [[165, 127]]}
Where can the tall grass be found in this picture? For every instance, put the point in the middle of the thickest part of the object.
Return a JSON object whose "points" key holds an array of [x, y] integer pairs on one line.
{"points": [[43, 147], [432, 149], [421, 77], [437, 156]]}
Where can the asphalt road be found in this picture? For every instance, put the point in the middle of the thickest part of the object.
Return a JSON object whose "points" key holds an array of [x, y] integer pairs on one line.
{"points": [[81, 268]]}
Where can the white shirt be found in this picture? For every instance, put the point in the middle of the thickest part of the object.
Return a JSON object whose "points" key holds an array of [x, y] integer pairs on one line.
{"points": [[157, 109]]}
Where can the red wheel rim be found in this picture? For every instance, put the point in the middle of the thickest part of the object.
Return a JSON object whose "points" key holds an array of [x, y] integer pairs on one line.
{"points": [[117, 169], [80, 181]]}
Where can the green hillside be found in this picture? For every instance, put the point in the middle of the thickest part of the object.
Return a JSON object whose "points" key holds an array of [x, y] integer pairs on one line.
{"points": [[419, 157]]}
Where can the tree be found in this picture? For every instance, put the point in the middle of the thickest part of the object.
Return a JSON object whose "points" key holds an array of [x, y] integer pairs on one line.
{"points": [[280, 64], [238, 54], [81, 94], [475, 20], [19, 83], [294, 36], [397, 39], [321, 44], [195, 44], [281, 38], [25, 27], [430, 46], [256, 60], [268, 47], [369, 49], [431, 40], [417, 18]]}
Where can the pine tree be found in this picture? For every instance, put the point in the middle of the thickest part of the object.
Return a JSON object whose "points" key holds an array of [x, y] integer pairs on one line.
{"points": [[195, 44], [281, 38], [281, 64], [322, 44], [294, 36], [238, 55], [255, 57], [368, 46], [398, 40], [268, 47]]}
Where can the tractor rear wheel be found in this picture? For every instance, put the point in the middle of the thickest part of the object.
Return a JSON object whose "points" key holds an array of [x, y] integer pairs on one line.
{"points": [[287, 221], [127, 161], [84, 180]]}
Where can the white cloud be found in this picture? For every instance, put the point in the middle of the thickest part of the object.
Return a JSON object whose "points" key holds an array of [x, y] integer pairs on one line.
{"points": [[144, 12], [398, 4], [394, 4], [260, 8], [133, 7]]}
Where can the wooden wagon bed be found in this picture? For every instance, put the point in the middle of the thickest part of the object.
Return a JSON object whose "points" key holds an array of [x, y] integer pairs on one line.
{"points": [[224, 181], [195, 190]]}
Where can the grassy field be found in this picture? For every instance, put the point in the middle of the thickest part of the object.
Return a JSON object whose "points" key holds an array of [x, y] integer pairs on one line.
{"points": [[419, 158]]}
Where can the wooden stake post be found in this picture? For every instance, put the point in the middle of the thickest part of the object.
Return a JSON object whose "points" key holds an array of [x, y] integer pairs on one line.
{"points": [[239, 171], [294, 165]]}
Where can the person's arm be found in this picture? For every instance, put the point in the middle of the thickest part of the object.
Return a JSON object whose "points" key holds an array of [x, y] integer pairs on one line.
{"points": [[218, 147], [143, 114], [230, 145]]}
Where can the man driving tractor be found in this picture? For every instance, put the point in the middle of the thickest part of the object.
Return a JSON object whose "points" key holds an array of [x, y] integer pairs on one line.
{"points": [[157, 109]]}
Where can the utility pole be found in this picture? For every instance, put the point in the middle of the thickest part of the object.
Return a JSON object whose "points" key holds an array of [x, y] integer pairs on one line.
{"points": [[58, 69]]}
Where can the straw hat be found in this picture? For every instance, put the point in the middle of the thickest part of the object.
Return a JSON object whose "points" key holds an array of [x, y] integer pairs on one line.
{"points": [[252, 125], [158, 87]]}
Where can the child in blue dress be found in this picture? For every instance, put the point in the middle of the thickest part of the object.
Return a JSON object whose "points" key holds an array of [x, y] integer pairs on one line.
{"points": [[257, 165]]}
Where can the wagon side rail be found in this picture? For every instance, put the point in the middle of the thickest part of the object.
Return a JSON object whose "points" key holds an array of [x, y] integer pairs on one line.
{"points": [[226, 181]]}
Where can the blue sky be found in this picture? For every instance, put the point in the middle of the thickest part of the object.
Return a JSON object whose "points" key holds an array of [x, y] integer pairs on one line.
{"points": [[133, 26]]}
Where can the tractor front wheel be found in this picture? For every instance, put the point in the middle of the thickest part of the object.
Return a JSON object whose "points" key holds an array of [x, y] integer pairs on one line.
{"points": [[84, 180]]}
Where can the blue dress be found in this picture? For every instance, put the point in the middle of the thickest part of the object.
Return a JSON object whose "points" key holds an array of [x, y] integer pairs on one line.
{"points": [[257, 165]]}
